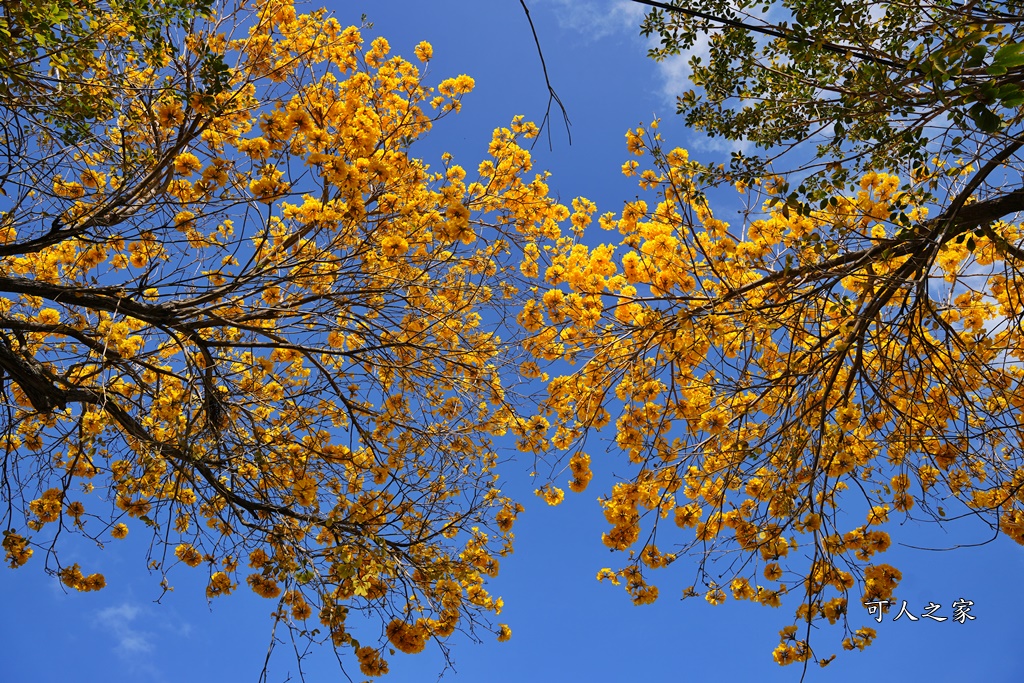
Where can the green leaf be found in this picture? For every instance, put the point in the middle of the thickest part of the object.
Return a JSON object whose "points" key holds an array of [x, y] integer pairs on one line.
{"points": [[1011, 95], [1009, 56], [975, 56], [984, 118]]}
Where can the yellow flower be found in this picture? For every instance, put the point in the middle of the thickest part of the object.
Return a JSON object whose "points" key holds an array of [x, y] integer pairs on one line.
{"points": [[424, 51], [68, 190], [451, 87], [220, 584], [635, 142], [189, 555], [120, 530], [879, 514], [72, 578], [767, 598], [49, 316], [715, 596], [552, 495], [17, 549], [379, 49], [741, 589], [301, 121], [784, 654], [407, 638], [394, 245], [93, 179], [504, 632], [263, 586], [47, 507], [183, 219], [713, 421], [185, 163], [170, 114], [370, 661], [688, 515], [301, 610], [305, 491]]}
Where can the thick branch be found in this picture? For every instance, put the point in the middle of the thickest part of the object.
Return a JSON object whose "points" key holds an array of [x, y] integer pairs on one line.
{"points": [[988, 211]]}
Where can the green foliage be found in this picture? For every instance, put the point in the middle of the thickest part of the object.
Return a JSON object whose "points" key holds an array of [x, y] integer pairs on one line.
{"points": [[56, 51], [883, 86]]}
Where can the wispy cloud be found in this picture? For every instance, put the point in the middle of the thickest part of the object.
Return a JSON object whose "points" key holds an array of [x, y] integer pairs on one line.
{"points": [[119, 621], [675, 70], [598, 18]]}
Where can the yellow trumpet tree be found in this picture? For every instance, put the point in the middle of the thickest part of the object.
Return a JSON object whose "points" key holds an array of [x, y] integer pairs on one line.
{"points": [[789, 388], [239, 316]]}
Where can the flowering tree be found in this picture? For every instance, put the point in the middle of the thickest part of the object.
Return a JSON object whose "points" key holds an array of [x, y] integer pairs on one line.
{"points": [[845, 355], [782, 389], [238, 315]]}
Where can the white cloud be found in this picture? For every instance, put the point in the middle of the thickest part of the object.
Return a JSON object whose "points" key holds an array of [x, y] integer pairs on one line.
{"points": [[117, 621], [675, 71], [597, 19]]}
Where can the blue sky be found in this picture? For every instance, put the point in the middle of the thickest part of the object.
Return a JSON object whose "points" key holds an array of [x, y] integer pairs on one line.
{"points": [[566, 626]]}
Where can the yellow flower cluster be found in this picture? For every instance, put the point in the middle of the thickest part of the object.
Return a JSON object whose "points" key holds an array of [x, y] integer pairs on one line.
{"points": [[406, 637], [552, 495], [370, 661], [220, 584], [16, 549], [263, 586], [72, 577], [189, 555]]}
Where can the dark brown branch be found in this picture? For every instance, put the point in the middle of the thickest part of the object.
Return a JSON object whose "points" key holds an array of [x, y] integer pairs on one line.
{"points": [[31, 378]]}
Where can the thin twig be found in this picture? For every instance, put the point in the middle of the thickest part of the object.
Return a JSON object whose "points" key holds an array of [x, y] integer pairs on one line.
{"points": [[552, 95]]}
